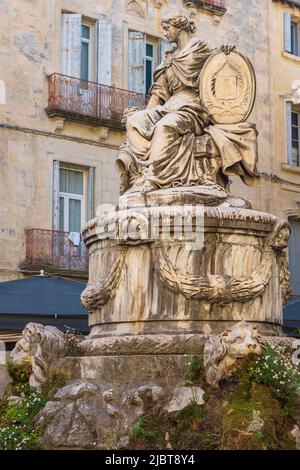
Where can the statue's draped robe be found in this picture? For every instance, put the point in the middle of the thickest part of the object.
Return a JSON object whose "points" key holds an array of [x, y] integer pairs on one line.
{"points": [[161, 139]]}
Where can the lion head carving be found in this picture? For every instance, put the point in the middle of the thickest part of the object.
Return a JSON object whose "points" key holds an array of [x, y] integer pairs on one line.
{"points": [[39, 346], [222, 351]]}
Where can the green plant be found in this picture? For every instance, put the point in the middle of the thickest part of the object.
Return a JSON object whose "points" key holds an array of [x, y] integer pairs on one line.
{"points": [[209, 440], [55, 380], [140, 430], [73, 340], [276, 371], [19, 373], [18, 438], [16, 430], [195, 367], [259, 435], [25, 411]]}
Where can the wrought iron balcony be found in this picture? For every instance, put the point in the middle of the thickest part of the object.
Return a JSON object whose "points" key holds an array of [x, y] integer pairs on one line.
{"points": [[52, 250], [76, 99], [215, 6]]}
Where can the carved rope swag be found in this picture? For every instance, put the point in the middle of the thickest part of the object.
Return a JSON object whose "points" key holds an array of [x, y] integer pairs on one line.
{"points": [[213, 288], [97, 295], [227, 289]]}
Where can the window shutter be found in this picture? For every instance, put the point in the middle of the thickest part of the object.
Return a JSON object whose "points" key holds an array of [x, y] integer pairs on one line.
{"points": [[56, 167], [104, 51], [289, 132], [71, 45], [91, 193], [136, 61], [164, 46], [287, 32], [2, 92]]}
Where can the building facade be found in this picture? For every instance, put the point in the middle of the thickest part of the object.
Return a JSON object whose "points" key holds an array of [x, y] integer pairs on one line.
{"points": [[284, 65], [68, 69]]}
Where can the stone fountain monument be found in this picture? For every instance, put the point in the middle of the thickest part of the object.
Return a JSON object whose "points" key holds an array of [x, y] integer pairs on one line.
{"points": [[180, 256], [179, 260]]}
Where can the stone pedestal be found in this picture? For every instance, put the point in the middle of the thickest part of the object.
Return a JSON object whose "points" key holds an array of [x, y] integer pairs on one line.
{"points": [[167, 272]]}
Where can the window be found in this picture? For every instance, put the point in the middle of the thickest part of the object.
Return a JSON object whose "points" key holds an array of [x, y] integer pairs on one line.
{"points": [[85, 52], [293, 135], [86, 48], [145, 53], [71, 200], [150, 64], [295, 38], [73, 196], [291, 34]]}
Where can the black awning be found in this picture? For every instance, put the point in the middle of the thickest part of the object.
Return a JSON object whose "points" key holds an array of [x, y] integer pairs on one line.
{"points": [[42, 299], [291, 312]]}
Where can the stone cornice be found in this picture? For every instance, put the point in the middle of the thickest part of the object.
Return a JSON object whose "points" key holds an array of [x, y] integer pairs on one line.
{"points": [[291, 3], [208, 6]]}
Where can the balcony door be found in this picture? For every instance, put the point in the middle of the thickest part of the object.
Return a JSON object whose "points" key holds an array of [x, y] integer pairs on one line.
{"points": [[86, 51], [71, 200], [73, 196], [87, 70]]}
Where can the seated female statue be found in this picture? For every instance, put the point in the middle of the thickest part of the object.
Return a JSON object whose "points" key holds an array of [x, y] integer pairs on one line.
{"points": [[160, 139]]}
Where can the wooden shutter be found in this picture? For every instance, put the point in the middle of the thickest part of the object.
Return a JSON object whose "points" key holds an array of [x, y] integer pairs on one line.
{"points": [[287, 32], [91, 193], [289, 132], [104, 51], [2, 92], [56, 168], [71, 45], [136, 61]]}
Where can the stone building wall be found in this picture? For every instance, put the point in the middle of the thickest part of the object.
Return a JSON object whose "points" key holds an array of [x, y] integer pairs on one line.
{"points": [[30, 49]]}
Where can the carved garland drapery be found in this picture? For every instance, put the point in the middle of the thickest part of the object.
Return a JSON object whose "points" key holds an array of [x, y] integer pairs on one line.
{"points": [[97, 295], [213, 288]]}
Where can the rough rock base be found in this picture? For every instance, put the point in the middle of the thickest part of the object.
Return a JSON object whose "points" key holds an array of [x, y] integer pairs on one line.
{"points": [[140, 400], [105, 396]]}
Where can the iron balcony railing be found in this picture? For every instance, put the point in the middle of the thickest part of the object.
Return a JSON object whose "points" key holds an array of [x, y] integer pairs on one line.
{"points": [[53, 249], [72, 95]]}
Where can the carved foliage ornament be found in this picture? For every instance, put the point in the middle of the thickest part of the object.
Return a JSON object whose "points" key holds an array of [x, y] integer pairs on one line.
{"points": [[228, 86]]}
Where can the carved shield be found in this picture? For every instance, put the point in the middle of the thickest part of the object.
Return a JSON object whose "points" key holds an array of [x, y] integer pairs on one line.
{"points": [[228, 87]]}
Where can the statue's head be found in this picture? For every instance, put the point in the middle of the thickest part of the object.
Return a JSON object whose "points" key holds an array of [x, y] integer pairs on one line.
{"points": [[174, 23]]}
